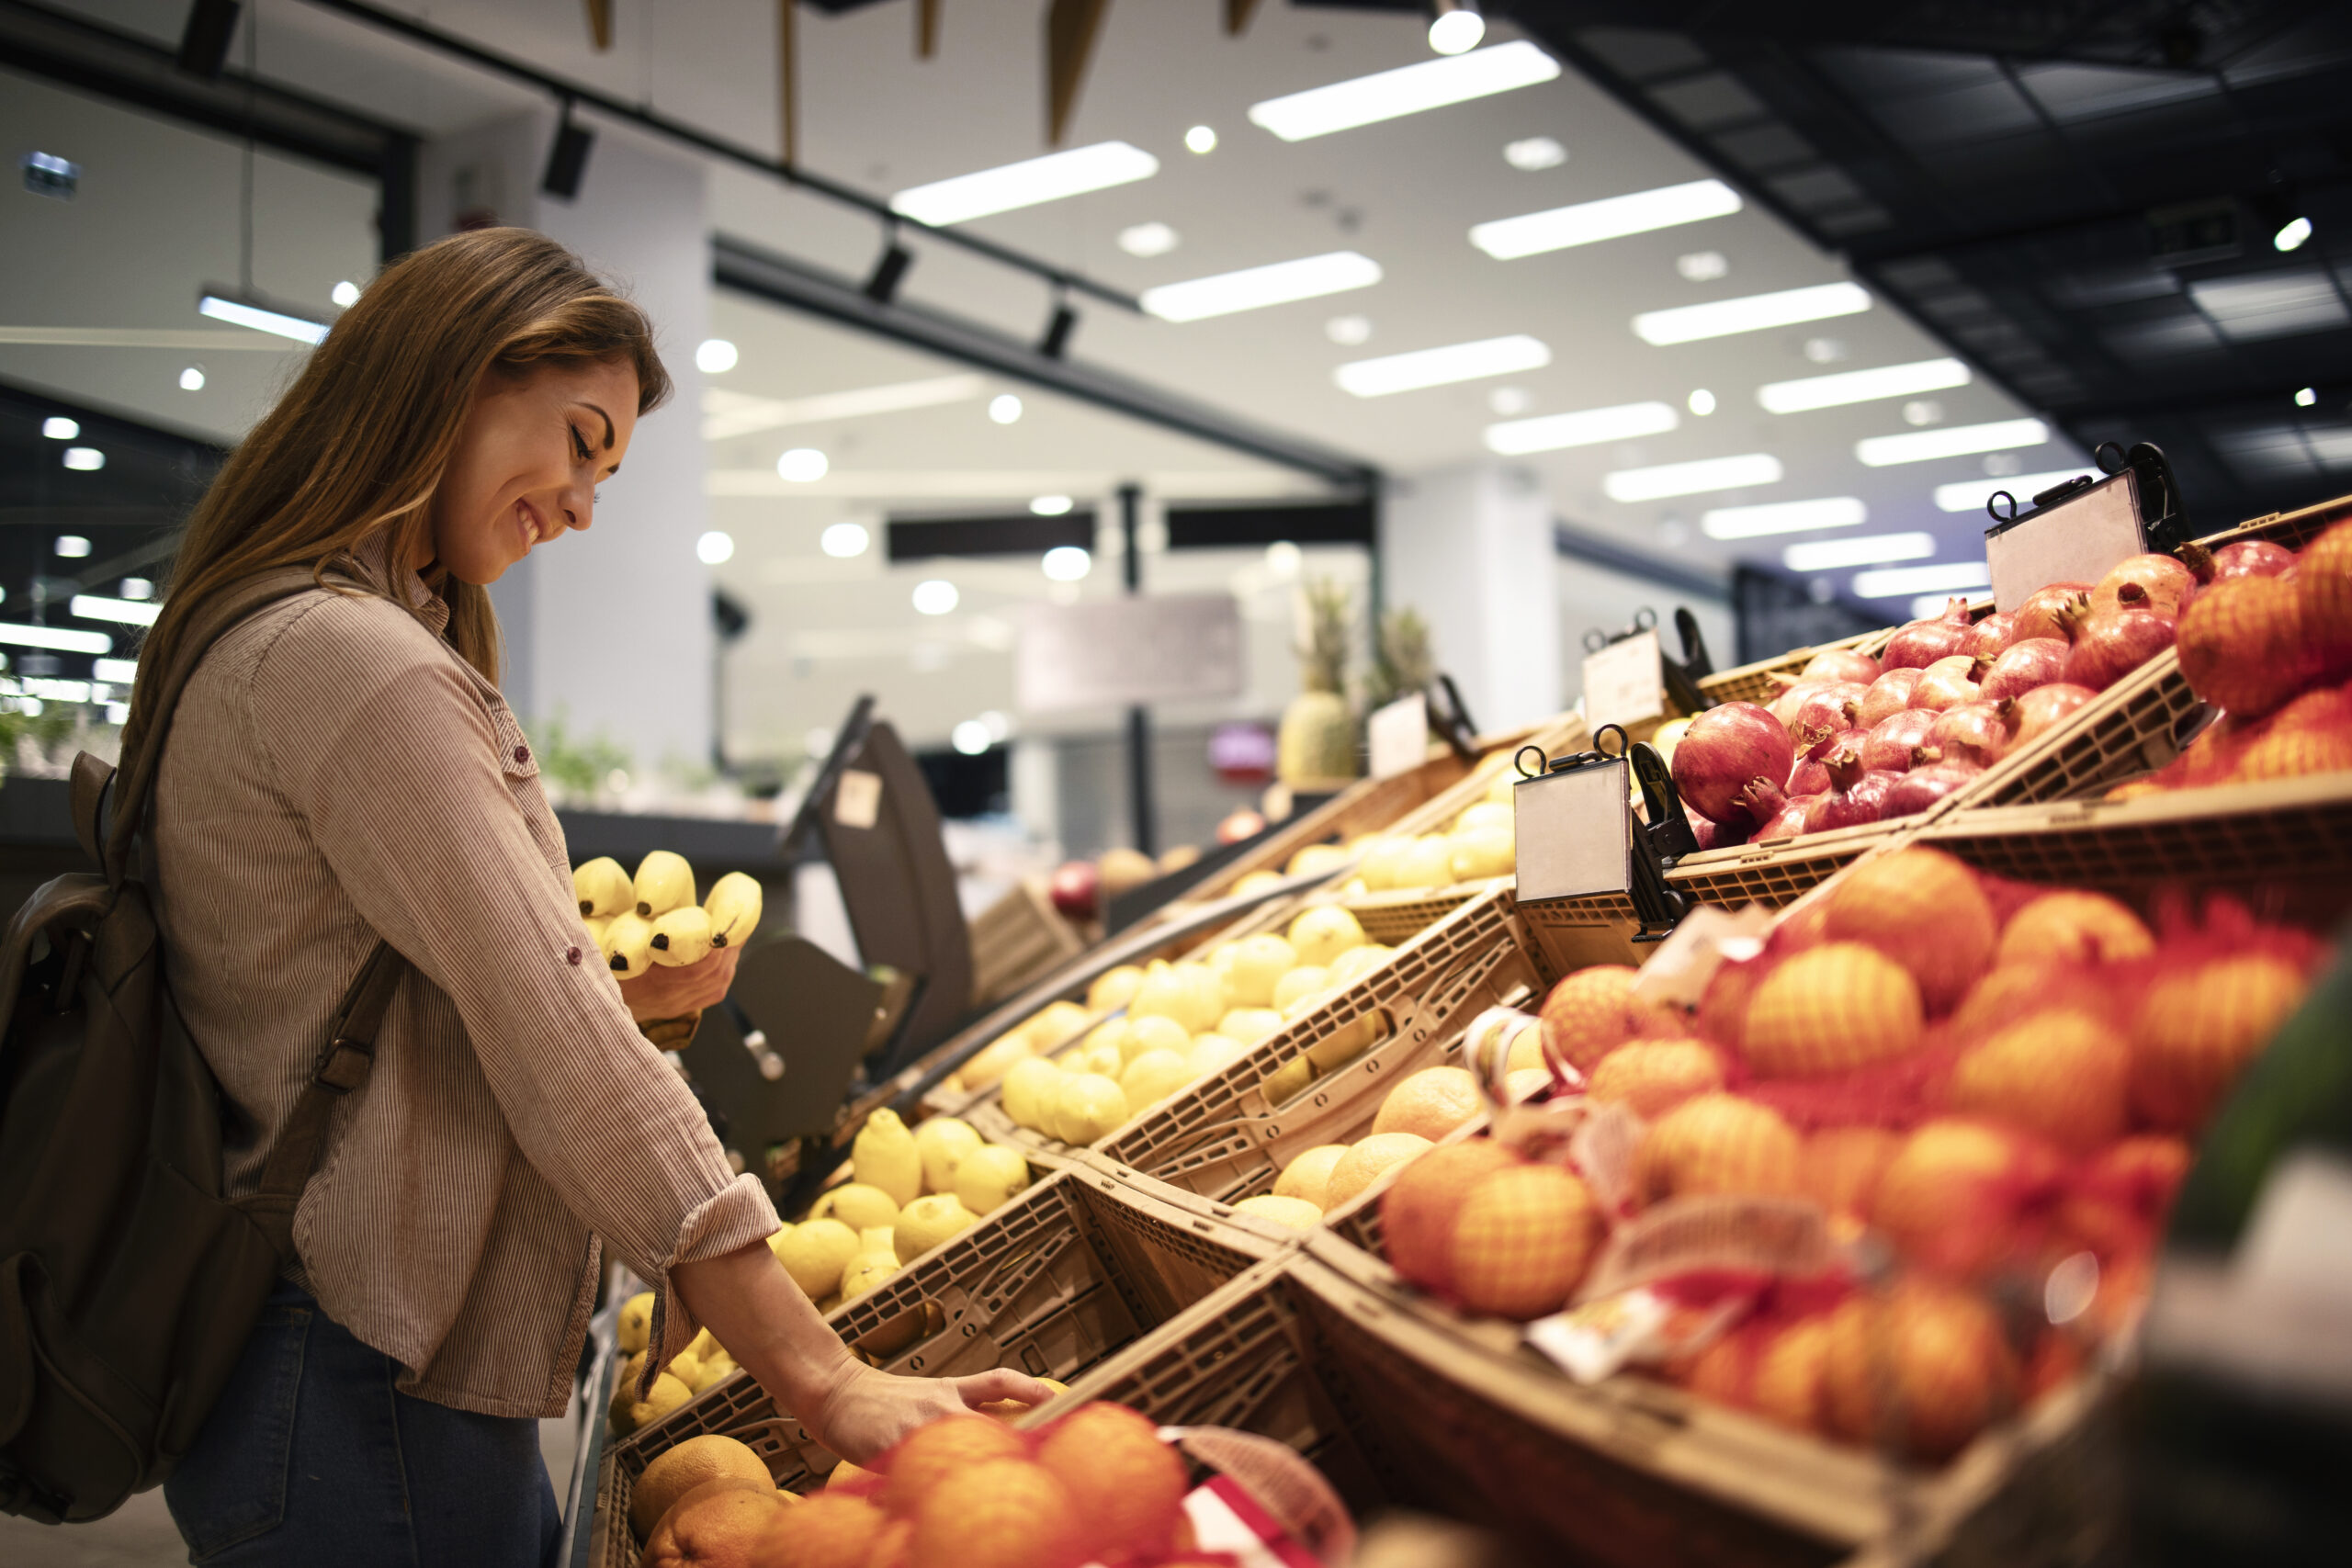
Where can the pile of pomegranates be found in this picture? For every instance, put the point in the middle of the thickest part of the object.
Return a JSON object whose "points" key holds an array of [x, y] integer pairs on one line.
{"points": [[1855, 739]]}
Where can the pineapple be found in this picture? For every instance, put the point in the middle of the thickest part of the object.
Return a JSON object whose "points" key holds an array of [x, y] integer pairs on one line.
{"points": [[1317, 740], [1401, 661]]}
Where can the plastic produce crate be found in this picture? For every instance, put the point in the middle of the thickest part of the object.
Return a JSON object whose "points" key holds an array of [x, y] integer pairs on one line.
{"points": [[1052, 1283], [2292, 529], [1016, 939], [1755, 683], [1399, 915]]}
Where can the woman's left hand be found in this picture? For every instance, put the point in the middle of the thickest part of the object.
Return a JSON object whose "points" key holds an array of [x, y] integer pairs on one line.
{"points": [[866, 1412], [663, 993]]}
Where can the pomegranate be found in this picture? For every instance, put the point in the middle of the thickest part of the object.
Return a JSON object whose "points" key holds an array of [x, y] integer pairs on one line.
{"points": [[2043, 706], [1890, 745], [1828, 711], [1923, 786], [1761, 799], [2251, 558], [1857, 795], [1811, 776], [1949, 683], [1784, 706], [2161, 583], [1890, 694], [2110, 644], [2246, 645], [1724, 748], [1991, 637], [1789, 821], [1974, 732], [1921, 643], [2023, 665], [2038, 616], [1834, 664]]}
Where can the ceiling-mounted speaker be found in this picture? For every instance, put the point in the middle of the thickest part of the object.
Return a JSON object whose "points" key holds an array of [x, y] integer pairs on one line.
{"points": [[204, 42]]}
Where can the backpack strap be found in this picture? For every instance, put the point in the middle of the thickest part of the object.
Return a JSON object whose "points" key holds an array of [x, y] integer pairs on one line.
{"points": [[342, 1066]]}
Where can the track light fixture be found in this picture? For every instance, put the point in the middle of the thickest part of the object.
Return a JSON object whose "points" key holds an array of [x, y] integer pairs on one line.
{"points": [[1456, 26], [568, 158], [204, 42], [882, 283], [1055, 344]]}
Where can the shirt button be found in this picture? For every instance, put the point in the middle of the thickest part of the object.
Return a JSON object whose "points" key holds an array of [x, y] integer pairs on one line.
{"points": [[522, 753], [572, 956]]}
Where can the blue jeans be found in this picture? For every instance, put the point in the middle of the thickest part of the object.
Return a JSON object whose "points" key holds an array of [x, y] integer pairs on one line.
{"points": [[312, 1457]]}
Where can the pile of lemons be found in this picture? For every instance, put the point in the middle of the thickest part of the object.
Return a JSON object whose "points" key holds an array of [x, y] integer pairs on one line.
{"points": [[701, 1365], [909, 1191], [1479, 843]]}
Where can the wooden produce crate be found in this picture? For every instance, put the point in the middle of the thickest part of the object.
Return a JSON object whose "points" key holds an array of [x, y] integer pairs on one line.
{"points": [[1052, 1283], [1636, 1472], [1206, 1138], [1016, 940]]}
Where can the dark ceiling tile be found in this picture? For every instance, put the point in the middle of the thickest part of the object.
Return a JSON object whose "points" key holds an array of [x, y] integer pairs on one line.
{"points": [[1844, 222], [1872, 74], [1976, 113], [2268, 305], [2165, 338], [1705, 102], [1821, 186], [1761, 147], [1642, 53], [2085, 92]]}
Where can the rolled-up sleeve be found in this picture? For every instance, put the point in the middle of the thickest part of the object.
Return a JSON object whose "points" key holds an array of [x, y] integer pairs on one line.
{"points": [[386, 748]]}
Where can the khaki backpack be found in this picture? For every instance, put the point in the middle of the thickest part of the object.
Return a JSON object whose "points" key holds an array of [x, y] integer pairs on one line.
{"points": [[127, 1283]]}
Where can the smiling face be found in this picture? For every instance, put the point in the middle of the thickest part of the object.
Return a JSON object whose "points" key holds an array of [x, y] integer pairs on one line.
{"points": [[529, 460]]}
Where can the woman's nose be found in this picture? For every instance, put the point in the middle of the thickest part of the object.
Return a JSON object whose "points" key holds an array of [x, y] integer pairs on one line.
{"points": [[578, 506]]}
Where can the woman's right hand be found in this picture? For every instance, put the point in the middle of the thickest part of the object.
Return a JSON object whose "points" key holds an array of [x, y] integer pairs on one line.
{"points": [[663, 993], [865, 1412]]}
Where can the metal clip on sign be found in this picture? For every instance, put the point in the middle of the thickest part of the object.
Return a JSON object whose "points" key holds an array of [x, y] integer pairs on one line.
{"points": [[2075, 531], [1577, 836]]}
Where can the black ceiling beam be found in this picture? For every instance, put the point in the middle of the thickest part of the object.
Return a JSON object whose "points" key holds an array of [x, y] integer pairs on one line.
{"points": [[581, 96], [748, 269]]}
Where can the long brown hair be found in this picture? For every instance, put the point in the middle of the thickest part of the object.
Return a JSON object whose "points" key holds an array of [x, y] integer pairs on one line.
{"points": [[353, 454]]}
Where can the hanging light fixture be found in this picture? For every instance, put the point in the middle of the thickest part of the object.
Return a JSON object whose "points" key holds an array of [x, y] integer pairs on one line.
{"points": [[890, 270], [1055, 344], [1456, 26]]}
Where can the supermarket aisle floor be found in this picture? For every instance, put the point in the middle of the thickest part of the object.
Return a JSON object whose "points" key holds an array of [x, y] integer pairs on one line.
{"points": [[140, 1534]]}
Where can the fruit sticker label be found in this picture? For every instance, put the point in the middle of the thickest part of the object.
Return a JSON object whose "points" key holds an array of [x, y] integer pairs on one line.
{"points": [[858, 803]]}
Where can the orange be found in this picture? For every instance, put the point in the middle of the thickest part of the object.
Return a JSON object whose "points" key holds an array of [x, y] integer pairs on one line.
{"points": [[1787, 1385], [1432, 1102], [831, 1529], [2064, 1075], [1594, 1010], [1651, 1078], [1717, 1142], [1369, 1161], [1522, 1240], [1949, 1198], [1840, 1167], [930, 1454], [1419, 1211], [2196, 1031], [720, 1524], [680, 1469], [1926, 1367], [2072, 927], [1830, 1010], [1925, 909], [1006, 1513], [1127, 1486]]}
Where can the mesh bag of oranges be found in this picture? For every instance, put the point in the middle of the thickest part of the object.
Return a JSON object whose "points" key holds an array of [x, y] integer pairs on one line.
{"points": [[1929, 1092]]}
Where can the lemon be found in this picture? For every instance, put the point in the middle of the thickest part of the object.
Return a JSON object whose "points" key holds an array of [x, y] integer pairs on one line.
{"points": [[1288, 1080], [926, 1223], [629, 1412], [1355, 964], [1056, 1023], [1317, 860], [1029, 1089], [856, 1206], [1484, 816], [1153, 1034], [988, 1178], [1300, 984], [874, 1238], [995, 1060], [1088, 1107], [715, 1370], [1324, 932], [1296, 1212], [1309, 1175], [1112, 988], [1206, 1053], [1103, 1059], [869, 1269], [1153, 1077], [1484, 853], [775, 1241], [636, 1322], [884, 1157], [1246, 1026], [816, 1253]]}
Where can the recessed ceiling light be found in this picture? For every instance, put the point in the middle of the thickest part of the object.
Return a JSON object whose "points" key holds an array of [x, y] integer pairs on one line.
{"points": [[969, 737], [715, 547], [344, 294], [1702, 402], [1691, 478], [2291, 234], [1923, 411], [1252, 287], [64, 639], [1862, 385], [1783, 517], [59, 428], [1702, 266], [1026, 183], [1751, 313], [1409, 89], [2306, 396], [842, 540], [71, 547], [192, 378], [120, 671], [1004, 409], [1201, 138], [276, 323], [97, 607], [84, 460], [715, 356], [802, 465], [1348, 331], [1586, 427], [1533, 152], [1954, 441], [936, 596], [1442, 366], [1901, 581], [1970, 495], [1611, 218], [1068, 563], [1825, 350], [1147, 240], [1051, 505], [1829, 555], [138, 588], [1510, 402]]}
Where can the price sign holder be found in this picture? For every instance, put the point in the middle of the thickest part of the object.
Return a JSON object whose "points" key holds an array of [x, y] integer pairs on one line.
{"points": [[1577, 836], [2075, 531], [1617, 693]]}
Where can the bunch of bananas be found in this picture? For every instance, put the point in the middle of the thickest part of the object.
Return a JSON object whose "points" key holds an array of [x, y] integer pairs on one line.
{"points": [[652, 918]]}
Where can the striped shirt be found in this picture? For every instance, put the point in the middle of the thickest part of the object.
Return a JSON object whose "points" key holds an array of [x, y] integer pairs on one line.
{"points": [[335, 773]]}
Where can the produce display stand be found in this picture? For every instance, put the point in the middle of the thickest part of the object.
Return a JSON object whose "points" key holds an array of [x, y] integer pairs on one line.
{"points": [[1755, 683], [1016, 940]]}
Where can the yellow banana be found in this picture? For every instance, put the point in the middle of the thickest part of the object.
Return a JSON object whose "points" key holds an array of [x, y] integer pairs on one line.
{"points": [[734, 908], [681, 937], [664, 880], [598, 927], [628, 944], [602, 888]]}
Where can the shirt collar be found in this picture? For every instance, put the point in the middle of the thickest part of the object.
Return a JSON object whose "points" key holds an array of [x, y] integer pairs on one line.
{"points": [[405, 587]]}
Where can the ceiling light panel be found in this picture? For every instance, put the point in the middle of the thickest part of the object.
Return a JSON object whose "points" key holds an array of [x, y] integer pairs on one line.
{"points": [[1026, 183], [1442, 367], [1784, 517], [1507, 239], [276, 323], [1901, 581], [727, 413], [1830, 555], [1253, 287], [1862, 385], [1750, 313], [1970, 495], [1586, 427], [1410, 89], [1954, 441], [1691, 478]]}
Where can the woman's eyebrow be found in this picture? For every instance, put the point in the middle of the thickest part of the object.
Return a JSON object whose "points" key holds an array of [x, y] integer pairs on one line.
{"points": [[605, 417]]}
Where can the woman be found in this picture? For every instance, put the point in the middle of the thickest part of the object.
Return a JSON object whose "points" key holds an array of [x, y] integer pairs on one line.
{"points": [[341, 768]]}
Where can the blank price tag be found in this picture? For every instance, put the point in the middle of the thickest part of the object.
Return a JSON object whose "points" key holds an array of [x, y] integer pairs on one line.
{"points": [[1574, 833], [1622, 685], [1400, 735], [858, 803], [2077, 540]]}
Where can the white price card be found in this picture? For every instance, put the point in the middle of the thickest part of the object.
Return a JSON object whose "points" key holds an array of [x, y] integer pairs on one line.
{"points": [[858, 803], [1118, 652], [1622, 682], [1400, 735]]}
